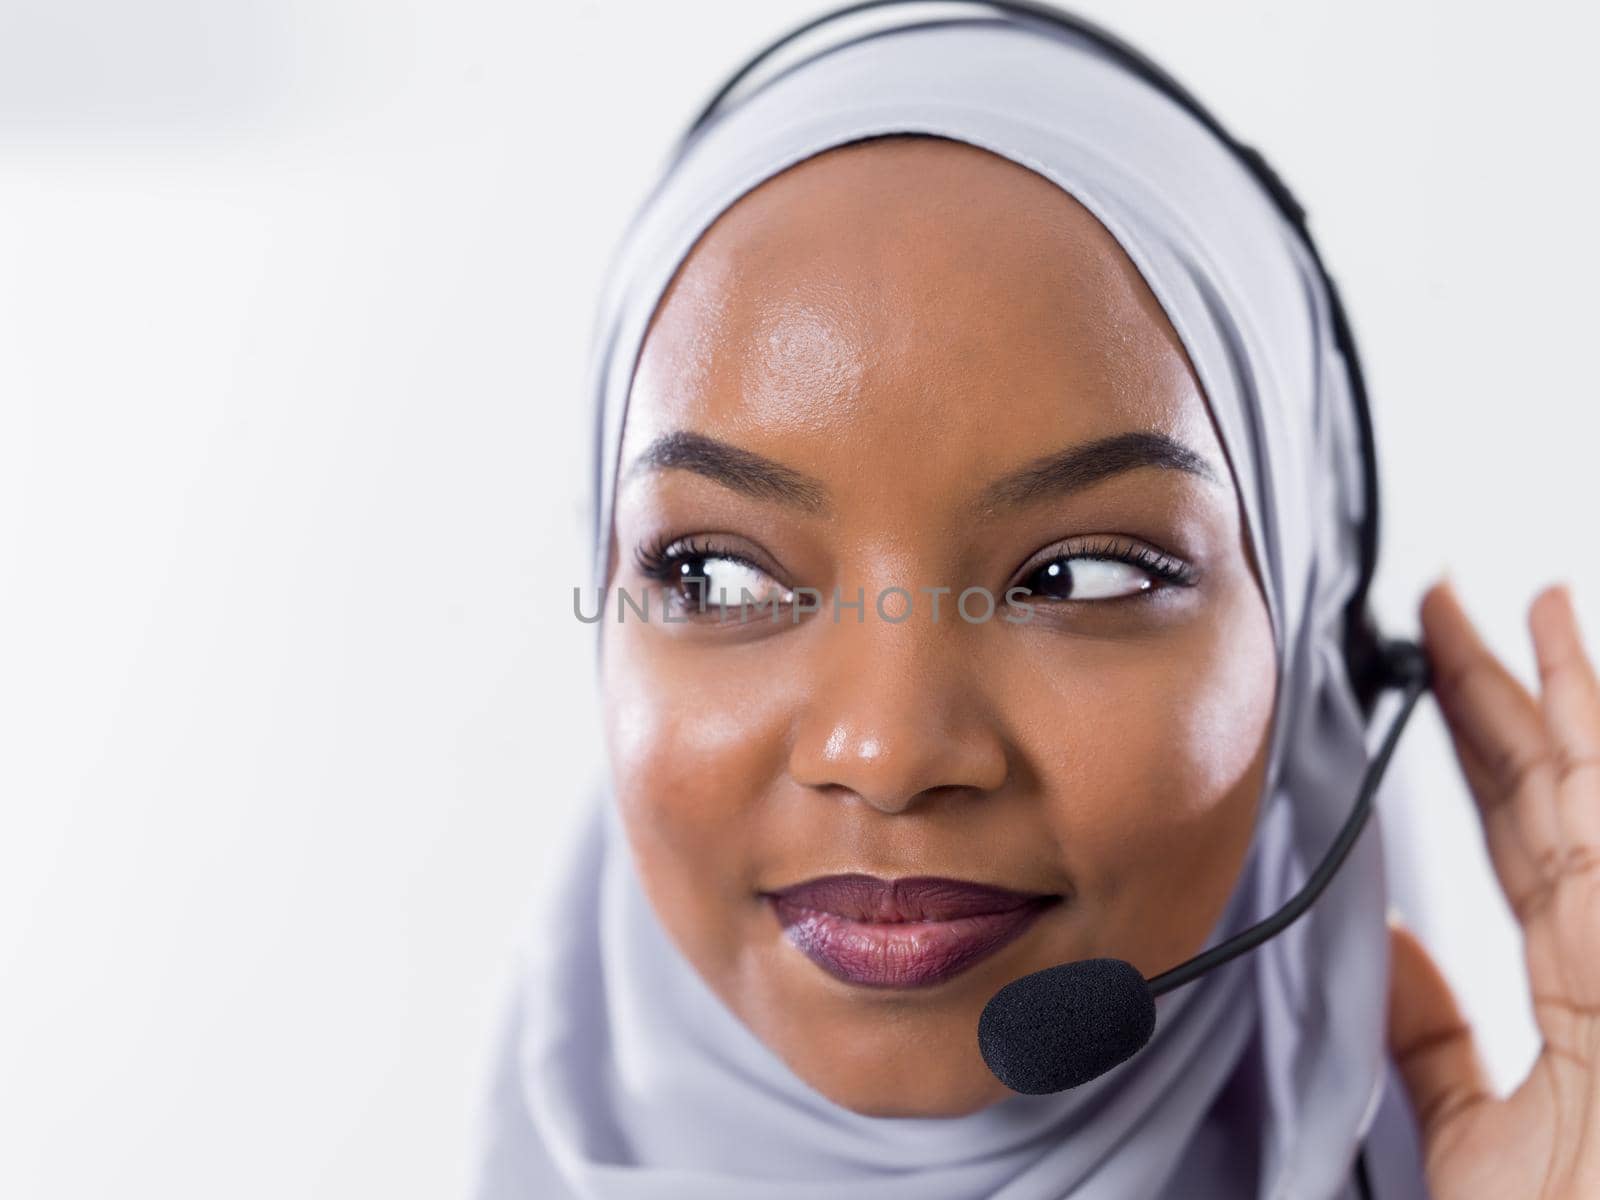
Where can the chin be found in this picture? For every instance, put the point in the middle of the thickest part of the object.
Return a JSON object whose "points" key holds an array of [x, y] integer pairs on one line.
{"points": [[914, 1074], [914, 1098]]}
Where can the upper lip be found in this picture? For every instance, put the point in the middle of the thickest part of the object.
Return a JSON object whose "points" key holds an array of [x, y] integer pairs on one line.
{"points": [[860, 897]]}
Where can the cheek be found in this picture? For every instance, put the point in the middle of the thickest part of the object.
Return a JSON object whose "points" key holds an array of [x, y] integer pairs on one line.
{"points": [[1207, 729], [1166, 767], [694, 746]]}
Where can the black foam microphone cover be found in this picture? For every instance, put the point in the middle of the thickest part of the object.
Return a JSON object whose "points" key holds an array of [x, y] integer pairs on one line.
{"points": [[1066, 1025]]}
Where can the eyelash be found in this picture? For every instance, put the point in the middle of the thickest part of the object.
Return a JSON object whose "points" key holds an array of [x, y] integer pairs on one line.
{"points": [[1171, 571], [661, 559]]}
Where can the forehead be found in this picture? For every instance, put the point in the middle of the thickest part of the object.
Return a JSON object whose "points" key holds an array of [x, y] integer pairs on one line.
{"points": [[927, 305]]}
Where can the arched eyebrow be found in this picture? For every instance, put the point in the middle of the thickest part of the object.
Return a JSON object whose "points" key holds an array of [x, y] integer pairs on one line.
{"points": [[1053, 476], [742, 470], [1082, 466]]}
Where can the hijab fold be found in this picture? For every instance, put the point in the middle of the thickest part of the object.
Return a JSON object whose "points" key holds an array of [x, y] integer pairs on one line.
{"points": [[623, 1077]]}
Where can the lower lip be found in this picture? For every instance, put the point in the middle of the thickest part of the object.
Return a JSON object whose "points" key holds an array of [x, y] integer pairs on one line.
{"points": [[901, 954]]}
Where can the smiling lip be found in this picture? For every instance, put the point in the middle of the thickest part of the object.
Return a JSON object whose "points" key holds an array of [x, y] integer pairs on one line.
{"points": [[901, 933]]}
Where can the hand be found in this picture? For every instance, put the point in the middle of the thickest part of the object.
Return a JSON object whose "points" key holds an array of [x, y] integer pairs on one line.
{"points": [[1533, 766]]}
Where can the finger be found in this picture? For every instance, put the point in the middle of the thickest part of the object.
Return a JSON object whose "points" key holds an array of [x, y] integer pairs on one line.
{"points": [[1498, 726], [1570, 700], [1432, 1045], [1514, 867]]}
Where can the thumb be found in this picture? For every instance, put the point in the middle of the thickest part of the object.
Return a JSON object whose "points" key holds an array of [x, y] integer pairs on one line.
{"points": [[1431, 1042]]}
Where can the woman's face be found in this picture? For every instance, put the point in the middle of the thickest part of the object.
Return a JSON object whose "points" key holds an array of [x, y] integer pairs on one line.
{"points": [[893, 366]]}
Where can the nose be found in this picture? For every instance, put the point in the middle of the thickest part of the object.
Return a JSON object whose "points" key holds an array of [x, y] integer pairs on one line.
{"points": [[896, 718]]}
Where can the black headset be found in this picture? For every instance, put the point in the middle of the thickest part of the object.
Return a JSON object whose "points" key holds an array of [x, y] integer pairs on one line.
{"points": [[1374, 662]]}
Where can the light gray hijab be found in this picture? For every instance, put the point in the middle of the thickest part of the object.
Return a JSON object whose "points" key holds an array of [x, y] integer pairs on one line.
{"points": [[622, 1076]]}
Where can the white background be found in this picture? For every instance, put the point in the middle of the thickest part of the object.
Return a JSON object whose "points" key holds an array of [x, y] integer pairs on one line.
{"points": [[293, 305]]}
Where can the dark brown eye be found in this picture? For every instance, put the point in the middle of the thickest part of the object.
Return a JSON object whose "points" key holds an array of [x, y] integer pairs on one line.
{"points": [[1088, 579], [1111, 569], [703, 579]]}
